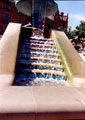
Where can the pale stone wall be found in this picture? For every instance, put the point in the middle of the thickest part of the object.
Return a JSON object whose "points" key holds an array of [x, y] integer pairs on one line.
{"points": [[75, 67], [34, 103], [8, 52]]}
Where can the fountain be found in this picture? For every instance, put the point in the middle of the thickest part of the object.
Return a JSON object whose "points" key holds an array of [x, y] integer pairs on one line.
{"points": [[40, 64], [38, 68], [38, 9], [33, 60]]}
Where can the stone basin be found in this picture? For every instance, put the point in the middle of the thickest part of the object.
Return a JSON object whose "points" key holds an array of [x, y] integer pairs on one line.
{"points": [[40, 102]]}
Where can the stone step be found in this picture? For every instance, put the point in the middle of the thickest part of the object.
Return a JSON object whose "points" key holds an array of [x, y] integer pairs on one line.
{"points": [[42, 59], [37, 47], [42, 65], [49, 40], [40, 45], [47, 65], [32, 76], [40, 42], [50, 72], [43, 49], [36, 60], [39, 53]]}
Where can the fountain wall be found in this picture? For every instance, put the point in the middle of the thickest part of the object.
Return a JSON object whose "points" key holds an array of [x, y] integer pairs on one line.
{"points": [[40, 102]]}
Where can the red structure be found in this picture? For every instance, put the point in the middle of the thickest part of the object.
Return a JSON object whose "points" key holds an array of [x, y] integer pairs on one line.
{"points": [[58, 21], [9, 13]]}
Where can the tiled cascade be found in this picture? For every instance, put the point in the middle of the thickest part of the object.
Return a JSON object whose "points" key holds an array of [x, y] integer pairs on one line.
{"points": [[38, 63]]}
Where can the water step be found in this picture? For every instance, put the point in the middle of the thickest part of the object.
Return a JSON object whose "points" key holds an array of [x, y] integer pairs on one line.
{"points": [[43, 49], [38, 54], [40, 42], [41, 59], [44, 54], [51, 72], [37, 46], [26, 51], [27, 80], [27, 56], [48, 41], [40, 39], [39, 75], [32, 76], [45, 45], [25, 67], [46, 65], [37, 64], [25, 62]]}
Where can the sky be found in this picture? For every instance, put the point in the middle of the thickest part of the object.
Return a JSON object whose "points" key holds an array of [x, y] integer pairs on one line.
{"points": [[75, 10]]}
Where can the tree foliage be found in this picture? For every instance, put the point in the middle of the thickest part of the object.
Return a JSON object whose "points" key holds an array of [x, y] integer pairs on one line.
{"points": [[79, 32]]}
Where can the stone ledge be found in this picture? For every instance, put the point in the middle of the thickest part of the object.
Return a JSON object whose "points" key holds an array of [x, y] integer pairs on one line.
{"points": [[6, 79], [49, 101], [8, 48], [35, 103], [73, 64]]}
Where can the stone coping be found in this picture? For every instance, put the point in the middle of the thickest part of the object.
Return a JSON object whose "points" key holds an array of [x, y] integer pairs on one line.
{"points": [[8, 48], [54, 102], [6, 79], [36, 102], [74, 65]]}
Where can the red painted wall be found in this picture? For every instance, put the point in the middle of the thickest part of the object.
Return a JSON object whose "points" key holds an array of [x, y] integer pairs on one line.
{"points": [[60, 21], [57, 21], [9, 13]]}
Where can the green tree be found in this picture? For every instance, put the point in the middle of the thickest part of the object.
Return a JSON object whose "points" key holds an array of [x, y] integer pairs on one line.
{"points": [[80, 30], [70, 34]]}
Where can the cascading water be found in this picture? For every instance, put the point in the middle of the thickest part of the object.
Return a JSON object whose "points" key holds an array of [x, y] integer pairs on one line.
{"points": [[38, 63]]}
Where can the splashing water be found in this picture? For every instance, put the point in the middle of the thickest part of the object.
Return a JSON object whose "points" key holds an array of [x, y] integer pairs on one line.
{"points": [[38, 64]]}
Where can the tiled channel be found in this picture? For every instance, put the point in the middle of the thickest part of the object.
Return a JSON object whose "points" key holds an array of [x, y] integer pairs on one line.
{"points": [[38, 63]]}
